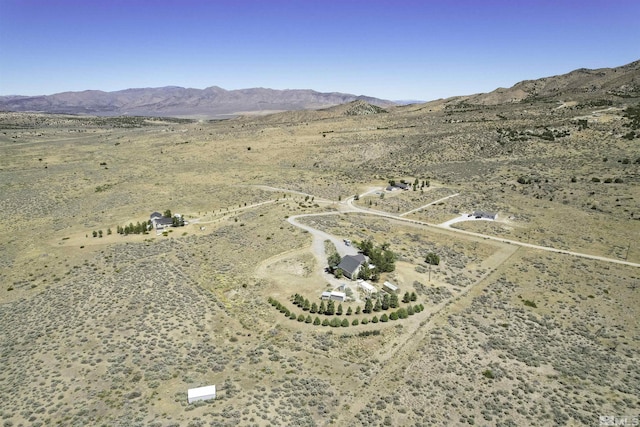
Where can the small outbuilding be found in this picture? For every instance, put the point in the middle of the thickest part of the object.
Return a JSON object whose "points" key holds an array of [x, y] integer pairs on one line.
{"points": [[338, 296], [201, 393], [334, 295], [390, 288], [367, 288]]}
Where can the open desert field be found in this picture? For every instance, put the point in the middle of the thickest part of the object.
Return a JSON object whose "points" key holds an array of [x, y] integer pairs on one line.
{"points": [[531, 318]]}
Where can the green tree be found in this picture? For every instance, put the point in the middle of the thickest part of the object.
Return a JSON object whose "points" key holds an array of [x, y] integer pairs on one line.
{"points": [[393, 316], [308, 319], [358, 310], [339, 310], [349, 311], [413, 297], [366, 246], [368, 306], [365, 272], [406, 298], [316, 321], [292, 315], [393, 301], [402, 313], [365, 321], [108, 232], [432, 259], [410, 311], [345, 322], [330, 308], [385, 302], [378, 305], [100, 233], [301, 318], [95, 233], [375, 319], [167, 214], [306, 305], [335, 322], [384, 317], [314, 308], [355, 322], [322, 309], [325, 322], [333, 260], [338, 273]]}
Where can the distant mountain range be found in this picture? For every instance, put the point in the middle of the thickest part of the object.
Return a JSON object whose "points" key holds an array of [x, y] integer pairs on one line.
{"points": [[173, 101], [214, 102]]}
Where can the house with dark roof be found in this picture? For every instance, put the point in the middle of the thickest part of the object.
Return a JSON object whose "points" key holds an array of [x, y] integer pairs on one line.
{"points": [[160, 221], [484, 215], [350, 265]]}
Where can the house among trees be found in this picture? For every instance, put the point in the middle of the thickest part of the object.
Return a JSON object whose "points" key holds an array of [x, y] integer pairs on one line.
{"points": [[350, 265], [160, 221]]}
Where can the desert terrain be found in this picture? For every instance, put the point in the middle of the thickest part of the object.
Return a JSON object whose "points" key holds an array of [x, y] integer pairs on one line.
{"points": [[530, 318]]}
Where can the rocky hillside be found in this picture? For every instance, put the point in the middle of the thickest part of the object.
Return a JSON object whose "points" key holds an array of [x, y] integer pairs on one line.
{"points": [[605, 84]]}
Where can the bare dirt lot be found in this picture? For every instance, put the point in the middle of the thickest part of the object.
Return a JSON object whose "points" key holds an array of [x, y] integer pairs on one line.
{"points": [[113, 330]]}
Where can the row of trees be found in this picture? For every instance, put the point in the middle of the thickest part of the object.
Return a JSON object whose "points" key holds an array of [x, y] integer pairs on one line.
{"points": [[137, 228], [377, 304], [401, 313], [99, 233]]}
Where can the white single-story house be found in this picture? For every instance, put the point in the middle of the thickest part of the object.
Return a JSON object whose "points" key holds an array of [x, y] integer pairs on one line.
{"points": [[389, 287], [325, 295], [201, 393]]}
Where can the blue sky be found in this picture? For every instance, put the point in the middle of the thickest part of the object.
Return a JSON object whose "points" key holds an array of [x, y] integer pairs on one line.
{"points": [[403, 49]]}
